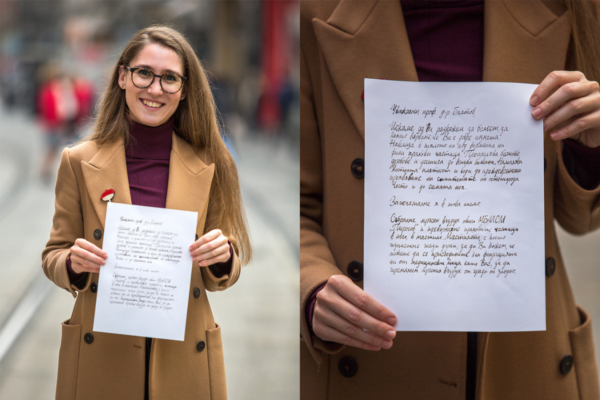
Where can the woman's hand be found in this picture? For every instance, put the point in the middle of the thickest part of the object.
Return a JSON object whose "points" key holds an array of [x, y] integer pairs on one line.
{"points": [[343, 311], [210, 249], [570, 106], [87, 257]]}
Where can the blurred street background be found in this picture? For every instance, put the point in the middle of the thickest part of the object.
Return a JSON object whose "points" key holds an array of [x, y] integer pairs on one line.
{"points": [[250, 50]]}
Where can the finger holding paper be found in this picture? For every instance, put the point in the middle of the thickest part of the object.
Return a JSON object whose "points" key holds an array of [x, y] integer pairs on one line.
{"points": [[569, 105], [87, 257], [211, 248], [345, 314]]}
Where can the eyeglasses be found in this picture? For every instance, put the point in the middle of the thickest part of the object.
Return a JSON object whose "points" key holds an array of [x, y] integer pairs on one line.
{"points": [[143, 78]]}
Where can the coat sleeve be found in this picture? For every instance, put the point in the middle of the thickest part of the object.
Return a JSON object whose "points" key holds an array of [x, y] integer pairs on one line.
{"points": [[316, 260], [212, 282], [576, 209], [67, 226]]}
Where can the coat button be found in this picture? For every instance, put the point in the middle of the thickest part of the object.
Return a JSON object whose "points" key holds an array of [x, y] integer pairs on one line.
{"points": [[358, 168], [97, 234], [566, 364], [347, 367], [550, 266], [355, 271], [89, 338], [201, 345], [94, 287], [196, 292], [196, 236]]}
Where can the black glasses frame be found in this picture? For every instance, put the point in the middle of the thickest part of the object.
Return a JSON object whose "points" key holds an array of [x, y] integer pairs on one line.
{"points": [[132, 70]]}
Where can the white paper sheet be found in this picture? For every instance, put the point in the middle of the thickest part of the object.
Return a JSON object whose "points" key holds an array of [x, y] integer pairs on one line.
{"points": [[454, 205], [143, 288]]}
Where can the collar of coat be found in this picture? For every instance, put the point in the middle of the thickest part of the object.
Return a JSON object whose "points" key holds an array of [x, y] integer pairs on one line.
{"points": [[523, 42], [189, 178]]}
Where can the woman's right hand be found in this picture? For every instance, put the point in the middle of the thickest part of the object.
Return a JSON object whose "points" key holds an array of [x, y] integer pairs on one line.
{"points": [[343, 311], [87, 257]]}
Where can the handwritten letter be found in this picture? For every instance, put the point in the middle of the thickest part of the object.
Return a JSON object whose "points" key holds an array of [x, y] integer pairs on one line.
{"points": [[454, 205], [143, 289]]}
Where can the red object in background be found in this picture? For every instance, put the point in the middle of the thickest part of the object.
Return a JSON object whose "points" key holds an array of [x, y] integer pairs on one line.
{"points": [[275, 60], [84, 93], [47, 106], [62, 101]]}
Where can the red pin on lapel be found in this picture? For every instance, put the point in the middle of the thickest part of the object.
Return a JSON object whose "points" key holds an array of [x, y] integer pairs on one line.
{"points": [[108, 195]]}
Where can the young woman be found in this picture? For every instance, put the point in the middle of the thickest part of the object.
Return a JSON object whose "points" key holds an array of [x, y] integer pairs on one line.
{"points": [[155, 143]]}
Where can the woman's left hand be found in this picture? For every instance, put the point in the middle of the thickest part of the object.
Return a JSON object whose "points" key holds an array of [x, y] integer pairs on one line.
{"points": [[570, 106], [211, 248]]}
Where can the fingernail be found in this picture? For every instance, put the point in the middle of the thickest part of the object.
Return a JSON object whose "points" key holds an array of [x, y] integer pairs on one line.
{"points": [[554, 135], [390, 334], [537, 112], [387, 344], [392, 321], [533, 101]]}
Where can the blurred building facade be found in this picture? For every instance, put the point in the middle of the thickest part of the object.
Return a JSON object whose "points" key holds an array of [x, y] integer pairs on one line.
{"points": [[249, 48]]}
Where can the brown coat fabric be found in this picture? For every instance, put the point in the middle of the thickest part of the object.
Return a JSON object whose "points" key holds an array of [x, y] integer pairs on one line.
{"points": [[343, 42], [113, 366]]}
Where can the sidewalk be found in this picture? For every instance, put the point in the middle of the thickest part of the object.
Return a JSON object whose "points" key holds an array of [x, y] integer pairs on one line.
{"points": [[259, 315], [26, 208]]}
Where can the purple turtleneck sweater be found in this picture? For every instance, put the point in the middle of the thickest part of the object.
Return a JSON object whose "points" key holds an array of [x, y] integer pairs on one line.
{"points": [[147, 156]]}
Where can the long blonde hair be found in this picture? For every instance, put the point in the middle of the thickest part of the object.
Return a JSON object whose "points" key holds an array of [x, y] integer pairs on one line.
{"points": [[195, 121]]}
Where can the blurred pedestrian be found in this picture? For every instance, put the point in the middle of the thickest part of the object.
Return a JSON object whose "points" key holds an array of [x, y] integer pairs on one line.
{"points": [[57, 108], [83, 91], [155, 143]]}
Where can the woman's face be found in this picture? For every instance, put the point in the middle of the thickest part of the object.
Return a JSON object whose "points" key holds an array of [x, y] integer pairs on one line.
{"points": [[152, 106]]}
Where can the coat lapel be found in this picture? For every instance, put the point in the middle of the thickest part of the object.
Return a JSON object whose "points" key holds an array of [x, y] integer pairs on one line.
{"points": [[107, 170], [523, 41], [189, 180], [364, 39]]}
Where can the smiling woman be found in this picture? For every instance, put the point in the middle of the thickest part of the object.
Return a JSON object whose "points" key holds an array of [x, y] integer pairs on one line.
{"points": [[155, 143], [152, 101]]}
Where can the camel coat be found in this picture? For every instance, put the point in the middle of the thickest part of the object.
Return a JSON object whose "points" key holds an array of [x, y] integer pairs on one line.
{"points": [[343, 42], [113, 366]]}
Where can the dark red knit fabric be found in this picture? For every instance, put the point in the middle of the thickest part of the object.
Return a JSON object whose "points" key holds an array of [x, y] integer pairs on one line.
{"points": [[446, 39], [148, 157], [582, 163]]}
